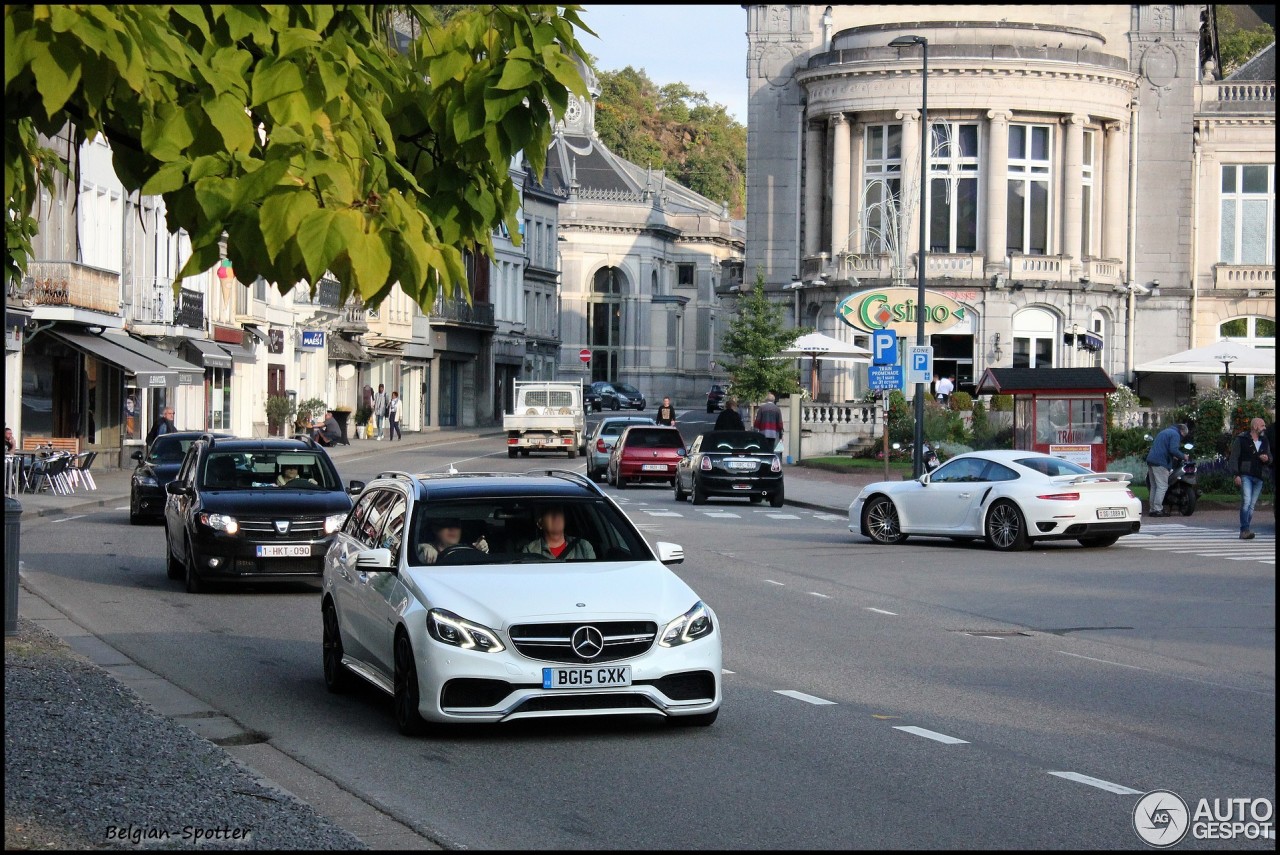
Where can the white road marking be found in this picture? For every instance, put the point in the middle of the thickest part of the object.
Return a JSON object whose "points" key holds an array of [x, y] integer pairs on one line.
{"points": [[664, 513], [783, 516], [724, 515], [881, 611], [125, 508], [1119, 789], [779, 584], [1103, 661], [801, 696], [992, 637], [65, 519], [829, 517], [727, 671], [929, 734], [816, 594]]}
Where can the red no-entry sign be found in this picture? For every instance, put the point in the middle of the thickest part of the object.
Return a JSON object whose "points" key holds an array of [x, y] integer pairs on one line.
{"points": [[584, 355]]}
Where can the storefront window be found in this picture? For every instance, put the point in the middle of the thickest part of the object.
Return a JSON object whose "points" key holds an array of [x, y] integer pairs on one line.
{"points": [[219, 403]]}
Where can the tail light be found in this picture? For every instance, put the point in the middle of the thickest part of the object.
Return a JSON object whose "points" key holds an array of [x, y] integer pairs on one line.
{"points": [[1061, 497], [776, 465], [601, 447], [705, 465]]}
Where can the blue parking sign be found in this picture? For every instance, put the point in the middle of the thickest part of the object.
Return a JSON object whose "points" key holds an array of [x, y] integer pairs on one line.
{"points": [[884, 347]]}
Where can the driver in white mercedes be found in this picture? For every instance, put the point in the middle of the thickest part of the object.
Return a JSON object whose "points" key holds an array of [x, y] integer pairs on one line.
{"points": [[448, 533]]}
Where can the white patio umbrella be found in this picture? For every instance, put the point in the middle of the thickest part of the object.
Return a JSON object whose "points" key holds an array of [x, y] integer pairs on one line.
{"points": [[817, 346], [1224, 357]]}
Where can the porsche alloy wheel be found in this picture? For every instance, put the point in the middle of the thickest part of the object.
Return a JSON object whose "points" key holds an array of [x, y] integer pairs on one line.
{"points": [[880, 520], [1006, 527]]}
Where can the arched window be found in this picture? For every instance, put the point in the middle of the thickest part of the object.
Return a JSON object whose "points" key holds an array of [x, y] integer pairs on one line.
{"points": [[604, 323], [1254, 332], [1034, 334]]}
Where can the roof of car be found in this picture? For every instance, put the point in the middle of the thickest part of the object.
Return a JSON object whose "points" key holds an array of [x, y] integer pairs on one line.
{"points": [[464, 485], [239, 443]]}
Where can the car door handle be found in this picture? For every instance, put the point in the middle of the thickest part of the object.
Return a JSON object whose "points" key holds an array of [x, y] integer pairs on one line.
{"points": [[966, 495]]}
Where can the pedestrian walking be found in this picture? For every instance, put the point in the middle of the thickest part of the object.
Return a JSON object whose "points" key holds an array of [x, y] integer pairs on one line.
{"points": [[666, 413], [380, 408], [393, 418], [1164, 455], [768, 420], [162, 426], [1250, 458], [730, 418]]}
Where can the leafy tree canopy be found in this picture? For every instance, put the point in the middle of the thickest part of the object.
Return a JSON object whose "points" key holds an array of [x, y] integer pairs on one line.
{"points": [[307, 134], [1237, 45], [675, 129], [752, 343]]}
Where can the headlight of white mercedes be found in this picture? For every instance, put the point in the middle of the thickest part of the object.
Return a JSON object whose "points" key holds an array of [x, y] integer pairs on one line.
{"points": [[333, 522], [690, 626], [447, 628]]}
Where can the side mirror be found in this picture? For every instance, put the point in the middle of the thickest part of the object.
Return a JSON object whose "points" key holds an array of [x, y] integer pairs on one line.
{"points": [[137, 454], [670, 553], [355, 488], [374, 559], [681, 453], [177, 488], [924, 479]]}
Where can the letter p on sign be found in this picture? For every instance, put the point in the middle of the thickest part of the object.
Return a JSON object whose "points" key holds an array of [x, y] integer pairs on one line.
{"points": [[884, 347]]}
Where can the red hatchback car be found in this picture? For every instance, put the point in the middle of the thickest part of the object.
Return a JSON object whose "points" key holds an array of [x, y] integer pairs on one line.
{"points": [[646, 453]]}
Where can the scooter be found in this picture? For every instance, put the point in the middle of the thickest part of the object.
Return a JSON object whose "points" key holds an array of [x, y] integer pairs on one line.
{"points": [[1183, 492]]}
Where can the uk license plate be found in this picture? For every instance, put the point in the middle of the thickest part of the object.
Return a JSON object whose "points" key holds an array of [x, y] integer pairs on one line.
{"points": [[288, 551], [1112, 513], [654, 467], [600, 677]]}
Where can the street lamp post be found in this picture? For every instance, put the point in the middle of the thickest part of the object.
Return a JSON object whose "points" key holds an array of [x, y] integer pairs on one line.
{"points": [[917, 455]]}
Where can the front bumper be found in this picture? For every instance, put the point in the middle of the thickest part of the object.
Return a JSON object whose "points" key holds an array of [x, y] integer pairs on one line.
{"points": [[464, 686], [148, 501], [220, 555]]}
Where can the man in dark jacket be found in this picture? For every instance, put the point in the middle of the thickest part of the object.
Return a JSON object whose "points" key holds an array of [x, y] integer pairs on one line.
{"points": [[1249, 460], [730, 418], [1164, 455], [162, 426]]}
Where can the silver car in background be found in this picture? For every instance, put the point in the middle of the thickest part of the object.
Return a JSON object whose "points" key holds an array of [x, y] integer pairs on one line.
{"points": [[604, 438]]}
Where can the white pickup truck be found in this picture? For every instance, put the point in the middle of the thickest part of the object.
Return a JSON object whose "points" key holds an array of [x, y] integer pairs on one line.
{"points": [[548, 416]]}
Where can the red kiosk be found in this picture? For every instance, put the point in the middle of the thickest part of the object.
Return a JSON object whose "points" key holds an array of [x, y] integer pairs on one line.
{"points": [[1058, 411]]}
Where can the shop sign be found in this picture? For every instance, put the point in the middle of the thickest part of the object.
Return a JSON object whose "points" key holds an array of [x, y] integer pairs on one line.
{"points": [[896, 309], [313, 338]]}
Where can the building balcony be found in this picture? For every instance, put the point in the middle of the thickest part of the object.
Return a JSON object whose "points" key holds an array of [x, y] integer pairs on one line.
{"points": [[1235, 97], [153, 303], [68, 285], [456, 311], [1245, 277], [1104, 271], [1040, 268], [354, 318]]}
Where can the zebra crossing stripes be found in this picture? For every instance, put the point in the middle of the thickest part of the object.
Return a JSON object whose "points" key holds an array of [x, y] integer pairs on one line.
{"points": [[1218, 543]]}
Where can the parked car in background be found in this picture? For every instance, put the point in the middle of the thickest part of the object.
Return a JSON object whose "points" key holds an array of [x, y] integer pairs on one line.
{"points": [[158, 463], [252, 509], [1010, 498], [591, 399], [715, 398], [731, 463], [601, 441], [472, 638], [646, 454], [629, 397], [604, 397]]}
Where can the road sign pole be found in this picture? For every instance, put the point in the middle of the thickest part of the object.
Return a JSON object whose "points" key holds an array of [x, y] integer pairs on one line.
{"points": [[886, 435]]}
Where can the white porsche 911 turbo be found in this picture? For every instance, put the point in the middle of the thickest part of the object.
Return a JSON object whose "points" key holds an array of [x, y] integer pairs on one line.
{"points": [[497, 597], [1009, 498]]}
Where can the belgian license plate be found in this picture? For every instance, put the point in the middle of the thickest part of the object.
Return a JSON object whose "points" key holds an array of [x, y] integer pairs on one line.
{"points": [[742, 464], [654, 467], [538, 440], [301, 550], [602, 676], [1112, 513]]}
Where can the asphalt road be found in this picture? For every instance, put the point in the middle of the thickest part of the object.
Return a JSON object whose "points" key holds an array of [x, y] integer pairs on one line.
{"points": [[931, 695]]}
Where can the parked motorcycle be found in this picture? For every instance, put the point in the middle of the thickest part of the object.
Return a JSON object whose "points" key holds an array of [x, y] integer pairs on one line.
{"points": [[1183, 492]]}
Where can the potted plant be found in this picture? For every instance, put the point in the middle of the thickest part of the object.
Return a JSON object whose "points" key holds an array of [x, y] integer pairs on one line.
{"points": [[364, 413], [279, 409]]}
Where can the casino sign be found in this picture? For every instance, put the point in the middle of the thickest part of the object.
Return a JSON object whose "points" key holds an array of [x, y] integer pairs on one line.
{"points": [[896, 309]]}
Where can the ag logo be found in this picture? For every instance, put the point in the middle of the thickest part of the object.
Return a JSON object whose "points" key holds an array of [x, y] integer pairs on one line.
{"points": [[1161, 818]]}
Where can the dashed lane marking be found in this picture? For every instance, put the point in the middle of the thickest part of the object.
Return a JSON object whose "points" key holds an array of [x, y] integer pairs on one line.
{"points": [[880, 611], [929, 734], [816, 594], [1118, 789], [808, 699]]}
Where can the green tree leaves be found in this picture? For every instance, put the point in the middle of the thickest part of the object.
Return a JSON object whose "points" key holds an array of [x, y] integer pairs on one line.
{"points": [[300, 134], [752, 343]]}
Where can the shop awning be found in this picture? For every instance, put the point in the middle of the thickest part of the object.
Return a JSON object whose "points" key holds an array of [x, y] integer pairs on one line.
{"points": [[237, 352], [208, 353], [149, 366], [345, 350]]}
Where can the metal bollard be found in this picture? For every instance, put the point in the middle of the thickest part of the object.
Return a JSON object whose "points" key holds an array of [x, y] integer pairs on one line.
{"points": [[12, 539]]}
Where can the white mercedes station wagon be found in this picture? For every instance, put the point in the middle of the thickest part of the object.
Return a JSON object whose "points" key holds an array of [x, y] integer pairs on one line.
{"points": [[498, 597]]}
